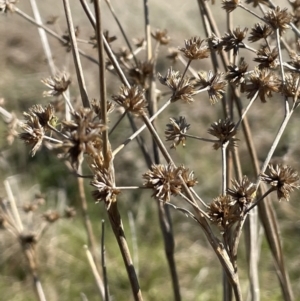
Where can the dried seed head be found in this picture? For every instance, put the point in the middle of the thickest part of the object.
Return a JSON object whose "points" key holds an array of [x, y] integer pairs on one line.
{"points": [[230, 5], [96, 106], [84, 136], [70, 212], [173, 54], [182, 89], [57, 84], [278, 19], [236, 74], [165, 180], [264, 82], [67, 41], [45, 115], [224, 130], [106, 190], [282, 177], [29, 207], [232, 39], [215, 43], [175, 131], [243, 192], [257, 2], [34, 132], [132, 99], [267, 58], [161, 36], [51, 216], [224, 212], [291, 88], [139, 42], [295, 59], [259, 32], [194, 50], [215, 82], [28, 239], [7, 5], [140, 74]]}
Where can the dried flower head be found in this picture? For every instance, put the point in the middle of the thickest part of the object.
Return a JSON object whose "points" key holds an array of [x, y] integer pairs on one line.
{"points": [[124, 55], [165, 180], [175, 131], [283, 178], [263, 82], [7, 5], [215, 84], [291, 88], [140, 73], [109, 39], [83, 136], [295, 59], [267, 58], [67, 41], [139, 42], [161, 36], [51, 216], [70, 212], [57, 84], [132, 99], [243, 192], [233, 39], [173, 54], [278, 19], [257, 2], [236, 74], [215, 43], [194, 50], [259, 32], [230, 5], [224, 212], [181, 88], [29, 207], [96, 106], [34, 132], [224, 130], [106, 191], [45, 115]]}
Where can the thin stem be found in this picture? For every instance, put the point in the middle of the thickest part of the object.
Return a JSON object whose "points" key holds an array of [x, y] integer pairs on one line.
{"points": [[95, 272], [246, 110], [117, 123], [200, 138], [276, 141], [103, 260], [102, 85], [280, 56], [122, 30], [15, 212], [198, 198], [43, 36], [77, 63], [271, 189], [224, 168], [251, 12], [140, 129], [51, 32]]}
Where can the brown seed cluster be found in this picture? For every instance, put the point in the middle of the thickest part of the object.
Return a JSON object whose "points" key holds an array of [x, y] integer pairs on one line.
{"points": [[175, 131], [166, 180], [283, 178], [225, 131]]}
